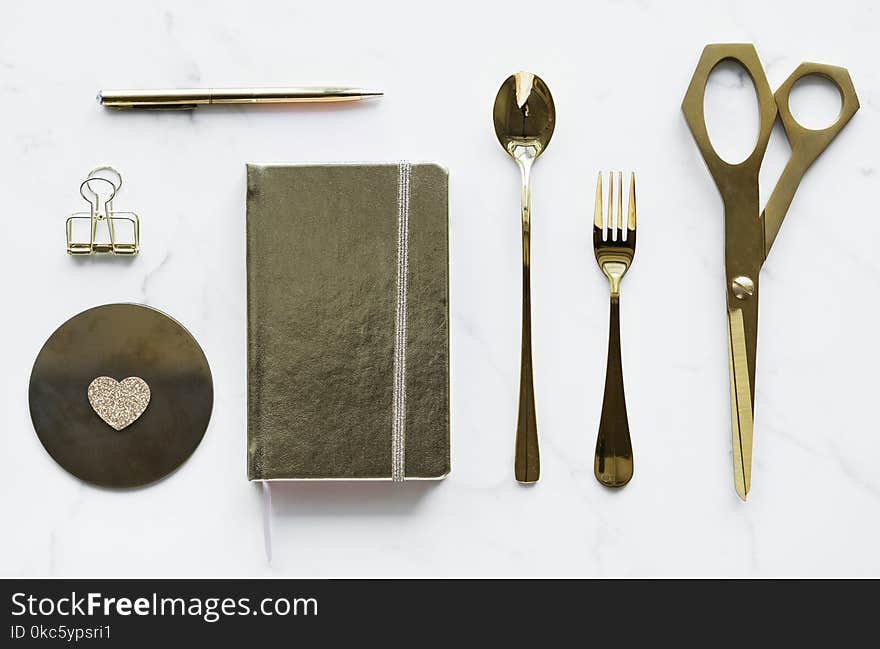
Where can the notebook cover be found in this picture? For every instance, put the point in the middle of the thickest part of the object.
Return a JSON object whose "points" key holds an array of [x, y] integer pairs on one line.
{"points": [[347, 378]]}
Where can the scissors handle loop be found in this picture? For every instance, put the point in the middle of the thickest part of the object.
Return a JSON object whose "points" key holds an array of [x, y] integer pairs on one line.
{"points": [[806, 143], [809, 141], [729, 177]]}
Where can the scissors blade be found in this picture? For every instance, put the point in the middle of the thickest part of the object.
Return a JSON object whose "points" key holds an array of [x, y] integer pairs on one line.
{"points": [[741, 396]]}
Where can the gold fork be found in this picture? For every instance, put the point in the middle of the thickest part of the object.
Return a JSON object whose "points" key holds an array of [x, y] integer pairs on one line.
{"points": [[614, 250]]}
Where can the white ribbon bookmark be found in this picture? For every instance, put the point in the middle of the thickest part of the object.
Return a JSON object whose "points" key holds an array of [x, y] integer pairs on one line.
{"points": [[267, 519], [398, 407]]}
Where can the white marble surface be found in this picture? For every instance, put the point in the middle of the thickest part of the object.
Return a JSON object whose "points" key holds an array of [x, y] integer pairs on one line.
{"points": [[618, 72]]}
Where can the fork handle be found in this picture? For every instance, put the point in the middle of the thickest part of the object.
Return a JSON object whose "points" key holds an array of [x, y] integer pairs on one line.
{"points": [[613, 464]]}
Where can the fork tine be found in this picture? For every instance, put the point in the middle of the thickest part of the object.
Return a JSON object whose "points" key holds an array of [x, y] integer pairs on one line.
{"points": [[597, 213], [609, 223], [632, 202], [619, 222]]}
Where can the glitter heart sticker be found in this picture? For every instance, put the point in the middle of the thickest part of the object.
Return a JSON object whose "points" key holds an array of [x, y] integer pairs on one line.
{"points": [[119, 403]]}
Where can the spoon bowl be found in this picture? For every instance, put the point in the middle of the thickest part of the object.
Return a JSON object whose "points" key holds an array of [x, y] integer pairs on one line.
{"points": [[524, 114]]}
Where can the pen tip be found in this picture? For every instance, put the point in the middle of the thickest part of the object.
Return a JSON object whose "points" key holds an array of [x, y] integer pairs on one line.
{"points": [[100, 97], [372, 93]]}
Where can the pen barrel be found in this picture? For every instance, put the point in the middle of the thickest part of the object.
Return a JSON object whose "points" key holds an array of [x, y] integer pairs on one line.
{"points": [[186, 98], [282, 95]]}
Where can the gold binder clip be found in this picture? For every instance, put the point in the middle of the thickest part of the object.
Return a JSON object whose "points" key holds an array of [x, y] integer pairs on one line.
{"points": [[101, 210]]}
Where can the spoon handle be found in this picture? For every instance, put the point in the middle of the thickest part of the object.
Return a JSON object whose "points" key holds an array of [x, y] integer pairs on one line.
{"points": [[527, 464]]}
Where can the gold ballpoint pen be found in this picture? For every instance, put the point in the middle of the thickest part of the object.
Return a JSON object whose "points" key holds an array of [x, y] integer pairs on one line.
{"points": [[190, 98]]}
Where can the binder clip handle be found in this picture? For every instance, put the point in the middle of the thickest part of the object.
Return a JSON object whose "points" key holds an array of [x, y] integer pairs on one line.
{"points": [[94, 200]]}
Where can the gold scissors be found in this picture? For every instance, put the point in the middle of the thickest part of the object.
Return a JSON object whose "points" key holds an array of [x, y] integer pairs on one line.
{"points": [[748, 232]]}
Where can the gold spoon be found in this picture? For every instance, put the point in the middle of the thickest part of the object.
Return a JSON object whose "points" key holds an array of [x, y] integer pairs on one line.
{"points": [[524, 117]]}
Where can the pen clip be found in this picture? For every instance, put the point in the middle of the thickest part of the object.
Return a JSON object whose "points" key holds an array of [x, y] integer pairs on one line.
{"points": [[160, 107]]}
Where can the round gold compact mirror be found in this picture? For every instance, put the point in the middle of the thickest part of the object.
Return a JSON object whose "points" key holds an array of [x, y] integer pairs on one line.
{"points": [[121, 395]]}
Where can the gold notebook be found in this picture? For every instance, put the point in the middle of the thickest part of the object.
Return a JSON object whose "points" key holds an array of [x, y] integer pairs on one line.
{"points": [[348, 322]]}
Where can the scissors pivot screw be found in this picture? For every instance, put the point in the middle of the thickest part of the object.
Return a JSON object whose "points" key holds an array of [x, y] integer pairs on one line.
{"points": [[743, 288]]}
